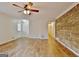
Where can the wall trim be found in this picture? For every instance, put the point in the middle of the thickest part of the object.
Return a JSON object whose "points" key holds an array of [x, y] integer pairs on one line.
{"points": [[67, 47], [6, 42], [74, 4], [15, 38], [38, 37]]}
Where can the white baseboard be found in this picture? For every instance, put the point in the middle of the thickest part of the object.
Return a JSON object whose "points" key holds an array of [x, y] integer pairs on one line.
{"points": [[67, 47], [38, 37]]}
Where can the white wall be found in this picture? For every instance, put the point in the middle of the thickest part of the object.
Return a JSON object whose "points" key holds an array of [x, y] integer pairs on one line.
{"points": [[24, 31], [5, 28], [38, 28]]}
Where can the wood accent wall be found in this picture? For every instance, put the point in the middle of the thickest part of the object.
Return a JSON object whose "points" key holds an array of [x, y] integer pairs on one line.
{"points": [[54, 47], [67, 28]]}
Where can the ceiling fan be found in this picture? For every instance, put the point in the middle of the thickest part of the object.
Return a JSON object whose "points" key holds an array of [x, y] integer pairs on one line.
{"points": [[27, 8]]}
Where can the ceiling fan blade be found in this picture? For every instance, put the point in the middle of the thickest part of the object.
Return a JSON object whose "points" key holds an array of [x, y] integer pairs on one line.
{"points": [[34, 10], [30, 3], [21, 11], [25, 6], [17, 6]]}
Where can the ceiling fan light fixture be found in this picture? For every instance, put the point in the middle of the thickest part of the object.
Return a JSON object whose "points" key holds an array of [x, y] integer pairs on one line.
{"points": [[28, 11], [25, 12], [29, 7]]}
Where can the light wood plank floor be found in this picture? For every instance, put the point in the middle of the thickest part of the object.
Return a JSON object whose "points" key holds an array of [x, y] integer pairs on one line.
{"points": [[56, 49], [28, 47]]}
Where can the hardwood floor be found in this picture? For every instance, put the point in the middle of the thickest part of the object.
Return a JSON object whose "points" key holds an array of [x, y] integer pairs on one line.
{"points": [[56, 49], [28, 47]]}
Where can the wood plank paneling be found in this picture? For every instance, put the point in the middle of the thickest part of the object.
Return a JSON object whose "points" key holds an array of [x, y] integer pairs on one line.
{"points": [[55, 48], [67, 28]]}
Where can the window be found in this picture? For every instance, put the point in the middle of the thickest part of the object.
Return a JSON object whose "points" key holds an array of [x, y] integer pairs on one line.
{"points": [[23, 26]]}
